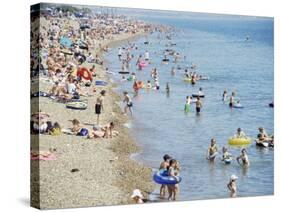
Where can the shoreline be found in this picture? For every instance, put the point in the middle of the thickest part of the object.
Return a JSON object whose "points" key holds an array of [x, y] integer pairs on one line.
{"points": [[109, 158]]}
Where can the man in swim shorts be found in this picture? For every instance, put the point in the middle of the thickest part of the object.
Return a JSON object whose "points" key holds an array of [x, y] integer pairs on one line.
{"points": [[198, 105]]}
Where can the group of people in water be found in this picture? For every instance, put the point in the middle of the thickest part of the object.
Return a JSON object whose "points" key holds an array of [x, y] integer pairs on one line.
{"points": [[190, 75]]}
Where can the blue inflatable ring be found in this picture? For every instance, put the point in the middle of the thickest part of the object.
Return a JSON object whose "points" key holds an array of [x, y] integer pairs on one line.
{"points": [[161, 177]]}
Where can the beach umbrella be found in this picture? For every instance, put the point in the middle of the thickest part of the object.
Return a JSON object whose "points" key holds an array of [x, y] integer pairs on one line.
{"points": [[64, 41], [39, 117]]}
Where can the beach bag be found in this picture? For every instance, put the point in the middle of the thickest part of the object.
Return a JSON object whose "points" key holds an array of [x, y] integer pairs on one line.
{"points": [[83, 132]]}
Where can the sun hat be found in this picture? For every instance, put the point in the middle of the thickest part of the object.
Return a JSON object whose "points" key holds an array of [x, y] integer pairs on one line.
{"points": [[233, 177], [136, 193]]}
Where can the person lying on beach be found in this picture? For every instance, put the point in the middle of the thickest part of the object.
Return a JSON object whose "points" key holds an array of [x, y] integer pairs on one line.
{"points": [[212, 151], [240, 134], [105, 131], [163, 166], [244, 158], [57, 90], [232, 186], [128, 101], [137, 197]]}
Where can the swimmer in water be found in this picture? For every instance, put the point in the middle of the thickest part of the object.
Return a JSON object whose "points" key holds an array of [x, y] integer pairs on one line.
{"points": [[232, 185], [240, 134], [224, 96], [244, 158], [212, 151], [225, 154], [163, 166], [198, 106], [187, 104], [167, 88], [231, 99]]}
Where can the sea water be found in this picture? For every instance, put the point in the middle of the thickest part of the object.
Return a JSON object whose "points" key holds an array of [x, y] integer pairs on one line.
{"points": [[236, 53]]}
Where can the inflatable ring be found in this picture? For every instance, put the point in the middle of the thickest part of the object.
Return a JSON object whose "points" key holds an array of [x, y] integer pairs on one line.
{"points": [[187, 79], [66, 51], [84, 73], [124, 72], [77, 105], [239, 141], [142, 64], [237, 106], [161, 177], [197, 95], [101, 83]]}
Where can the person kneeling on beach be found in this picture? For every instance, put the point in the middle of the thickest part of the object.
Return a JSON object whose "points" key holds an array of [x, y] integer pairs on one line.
{"points": [[164, 166]]}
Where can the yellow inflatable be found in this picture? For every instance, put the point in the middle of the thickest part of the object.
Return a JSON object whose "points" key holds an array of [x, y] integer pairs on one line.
{"points": [[187, 79], [239, 141]]}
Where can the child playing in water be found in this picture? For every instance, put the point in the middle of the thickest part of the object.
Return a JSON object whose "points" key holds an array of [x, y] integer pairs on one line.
{"points": [[244, 158], [232, 185], [240, 133], [225, 154], [129, 103]]}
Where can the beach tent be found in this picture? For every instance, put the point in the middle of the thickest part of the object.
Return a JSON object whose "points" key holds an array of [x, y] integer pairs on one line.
{"points": [[64, 41]]}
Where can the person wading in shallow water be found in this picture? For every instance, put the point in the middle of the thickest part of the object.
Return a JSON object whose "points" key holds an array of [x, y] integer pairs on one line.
{"points": [[232, 185], [99, 105], [163, 166], [129, 103], [212, 151]]}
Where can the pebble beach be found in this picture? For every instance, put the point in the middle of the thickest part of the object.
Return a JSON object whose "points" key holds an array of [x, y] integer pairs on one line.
{"points": [[86, 172]]}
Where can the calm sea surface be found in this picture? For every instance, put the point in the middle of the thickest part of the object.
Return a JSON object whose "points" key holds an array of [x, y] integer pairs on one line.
{"points": [[217, 45]]}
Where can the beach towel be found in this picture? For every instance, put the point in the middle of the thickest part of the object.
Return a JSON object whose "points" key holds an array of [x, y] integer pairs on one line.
{"points": [[45, 157]]}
